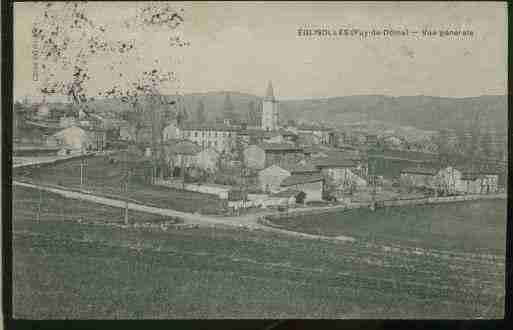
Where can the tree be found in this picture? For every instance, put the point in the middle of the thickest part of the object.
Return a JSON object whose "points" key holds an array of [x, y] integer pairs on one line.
{"points": [[72, 49], [228, 107], [182, 116], [200, 113], [253, 115]]}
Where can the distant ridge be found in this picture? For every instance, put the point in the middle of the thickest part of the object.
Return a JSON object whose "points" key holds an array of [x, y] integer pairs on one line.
{"points": [[424, 112]]}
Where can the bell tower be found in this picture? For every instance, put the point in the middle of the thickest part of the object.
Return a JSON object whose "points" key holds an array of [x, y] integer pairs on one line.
{"points": [[270, 110]]}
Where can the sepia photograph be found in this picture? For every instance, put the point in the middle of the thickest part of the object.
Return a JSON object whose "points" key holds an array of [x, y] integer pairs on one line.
{"points": [[259, 160]]}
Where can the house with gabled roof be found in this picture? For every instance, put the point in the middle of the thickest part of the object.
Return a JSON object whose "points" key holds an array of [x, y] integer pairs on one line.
{"points": [[343, 171], [321, 133], [270, 178], [480, 181], [312, 184], [276, 153], [266, 154], [418, 176]]}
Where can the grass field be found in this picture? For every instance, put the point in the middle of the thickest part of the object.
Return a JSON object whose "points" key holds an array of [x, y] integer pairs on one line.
{"points": [[475, 227], [105, 178], [63, 269]]}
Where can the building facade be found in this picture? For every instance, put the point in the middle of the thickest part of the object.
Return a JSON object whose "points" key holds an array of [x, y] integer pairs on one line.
{"points": [[419, 177], [322, 134], [220, 137], [270, 178], [310, 184]]}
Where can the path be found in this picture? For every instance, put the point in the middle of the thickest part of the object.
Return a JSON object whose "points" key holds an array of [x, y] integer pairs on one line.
{"points": [[249, 221], [23, 161]]}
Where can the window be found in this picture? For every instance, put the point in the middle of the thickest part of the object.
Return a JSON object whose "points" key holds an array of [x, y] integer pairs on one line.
{"points": [[195, 134]]}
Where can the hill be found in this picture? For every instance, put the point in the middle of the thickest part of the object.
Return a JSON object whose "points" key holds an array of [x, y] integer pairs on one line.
{"points": [[423, 112]]}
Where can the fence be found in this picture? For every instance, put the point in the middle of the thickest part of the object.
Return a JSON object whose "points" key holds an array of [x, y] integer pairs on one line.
{"points": [[217, 190]]}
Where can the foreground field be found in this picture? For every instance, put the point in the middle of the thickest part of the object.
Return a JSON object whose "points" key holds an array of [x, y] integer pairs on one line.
{"points": [[105, 178], [474, 226], [66, 269]]}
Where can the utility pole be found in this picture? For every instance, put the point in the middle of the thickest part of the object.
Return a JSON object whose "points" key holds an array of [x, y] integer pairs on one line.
{"points": [[126, 200], [182, 169], [38, 216], [82, 165], [126, 187]]}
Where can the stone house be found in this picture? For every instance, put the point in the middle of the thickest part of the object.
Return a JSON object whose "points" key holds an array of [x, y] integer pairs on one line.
{"points": [[171, 131], [254, 157], [280, 153], [207, 160], [78, 138], [321, 133], [311, 184], [218, 136], [448, 180], [420, 177], [480, 182], [270, 178]]}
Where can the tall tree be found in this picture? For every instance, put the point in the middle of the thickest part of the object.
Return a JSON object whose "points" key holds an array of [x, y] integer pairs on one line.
{"points": [[253, 114], [200, 113], [181, 116], [72, 48], [228, 108]]}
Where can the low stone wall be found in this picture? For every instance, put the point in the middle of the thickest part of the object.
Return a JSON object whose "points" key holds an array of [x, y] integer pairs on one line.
{"points": [[217, 190], [50, 160], [387, 203], [437, 200]]}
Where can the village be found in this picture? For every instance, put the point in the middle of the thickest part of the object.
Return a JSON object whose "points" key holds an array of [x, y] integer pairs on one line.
{"points": [[264, 162]]}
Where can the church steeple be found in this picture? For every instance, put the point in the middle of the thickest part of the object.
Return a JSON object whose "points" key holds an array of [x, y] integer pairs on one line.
{"points": [[269, 96], [269, 110]]}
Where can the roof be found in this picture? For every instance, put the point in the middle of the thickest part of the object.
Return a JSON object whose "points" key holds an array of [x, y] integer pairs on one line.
{"points": [[69, 129], [419, 170], [346, 146], [300, 168], [312, 128], [262, 133], [130, 156], [287, 193], [314, 149], [209, 127], [405, 155], [301, 178], [236, 194], [344, 154], [334, 161], [285, 132], [92, 129], [478, 170], [183, 148], [253, 132], [469, 176], [279, 147], [489, 170]]}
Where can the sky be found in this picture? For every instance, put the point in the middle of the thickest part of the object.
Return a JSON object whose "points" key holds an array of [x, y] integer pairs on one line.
{"points": [[242, 46]]}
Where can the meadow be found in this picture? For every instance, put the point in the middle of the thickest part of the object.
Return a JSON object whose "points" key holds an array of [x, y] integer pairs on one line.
{"points": [[107, 179], [472, 226], [69, 269]]}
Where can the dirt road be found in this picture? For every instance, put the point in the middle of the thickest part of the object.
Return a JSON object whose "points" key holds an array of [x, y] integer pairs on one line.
{"points": [[245, 221]]}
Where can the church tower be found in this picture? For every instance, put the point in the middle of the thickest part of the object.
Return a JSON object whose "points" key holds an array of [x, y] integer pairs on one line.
{"points": [[270, 110]]}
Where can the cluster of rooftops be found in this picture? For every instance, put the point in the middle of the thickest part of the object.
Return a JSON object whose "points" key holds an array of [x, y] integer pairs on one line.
{"points": [[468, 172]]}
